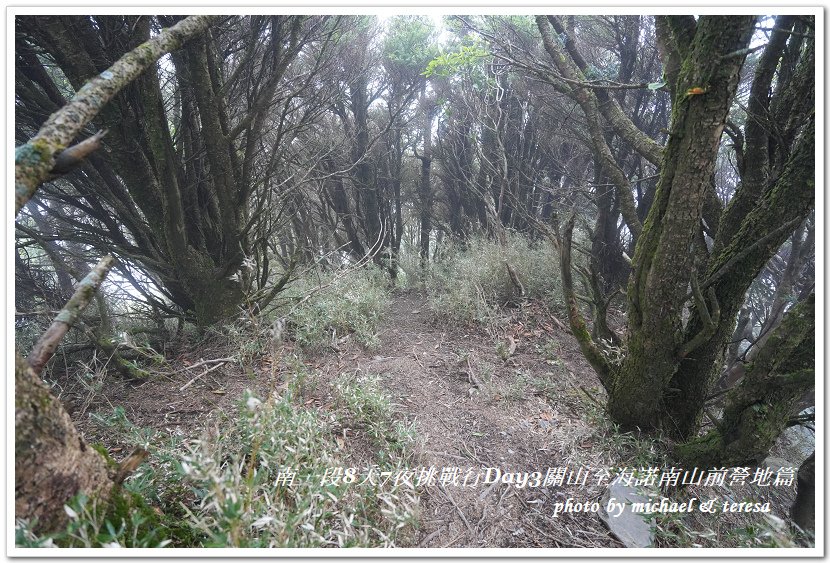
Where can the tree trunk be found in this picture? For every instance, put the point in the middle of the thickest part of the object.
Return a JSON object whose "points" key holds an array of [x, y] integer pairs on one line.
{"points": [[52, 463], [758, 409], [425, 187], [664, 261], [754, 225]]}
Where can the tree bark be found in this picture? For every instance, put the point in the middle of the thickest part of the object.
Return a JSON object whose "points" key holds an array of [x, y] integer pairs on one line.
{"points": [[425, 185], [758, 409], [52, 463], [663, 262]]}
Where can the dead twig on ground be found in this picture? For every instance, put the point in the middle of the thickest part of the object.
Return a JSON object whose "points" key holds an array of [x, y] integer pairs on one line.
{"points": [[203, 362], [471, 375], [204, 373], [426, 540], [458, 509], [488, 490], [591, 397], [452, 541]]}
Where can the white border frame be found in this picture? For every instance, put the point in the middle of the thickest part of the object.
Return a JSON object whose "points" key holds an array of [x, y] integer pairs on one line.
{"points": [[380, 8]]}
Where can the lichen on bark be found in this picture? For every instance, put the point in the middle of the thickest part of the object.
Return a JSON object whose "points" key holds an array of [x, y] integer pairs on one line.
{"points": [[32, 165]]}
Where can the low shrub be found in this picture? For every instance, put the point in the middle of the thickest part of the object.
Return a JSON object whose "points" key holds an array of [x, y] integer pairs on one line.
{"points": [[471, 283], [277, 478], [271, 474], [347, 305], [364, 403]]}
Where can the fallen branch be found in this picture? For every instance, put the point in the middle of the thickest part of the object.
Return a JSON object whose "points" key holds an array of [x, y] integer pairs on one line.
{"points": [[460, 512], [204, 373], [592, 398], [203, 362], [425, 541], [129, 465], [48, 342], [559, 323]]}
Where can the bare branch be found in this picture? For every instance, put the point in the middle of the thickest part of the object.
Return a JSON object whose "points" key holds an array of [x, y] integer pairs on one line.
{"points": [[48, 342], [35, 159]]}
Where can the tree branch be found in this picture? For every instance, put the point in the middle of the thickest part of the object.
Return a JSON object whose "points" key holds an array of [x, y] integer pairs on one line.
{"points": [[35, 159], [48, 342], [589, 348], [710, 319]]}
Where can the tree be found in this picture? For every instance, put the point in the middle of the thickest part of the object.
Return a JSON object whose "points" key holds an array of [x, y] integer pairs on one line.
{"points": [[670, 361], [408, 49], [182, 192], [52, 462]]}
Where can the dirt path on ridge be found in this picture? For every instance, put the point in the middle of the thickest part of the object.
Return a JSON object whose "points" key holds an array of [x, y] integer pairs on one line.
{"points": [[498, 417], [473, 406], [528, 412]]}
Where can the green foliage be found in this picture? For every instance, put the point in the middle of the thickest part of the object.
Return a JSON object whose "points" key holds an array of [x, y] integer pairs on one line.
{"points": [[369, 407], [471, 284], [244, 500], [117, 423], [126, 522], [523, 25], [447, 64], [351, 304], [410, 43], [229, 489], [551, 350], [363, 398], [502, 350]]}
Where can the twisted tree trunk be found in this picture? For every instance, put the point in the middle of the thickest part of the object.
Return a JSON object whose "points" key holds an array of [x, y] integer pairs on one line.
{"points": [[758, 409]]}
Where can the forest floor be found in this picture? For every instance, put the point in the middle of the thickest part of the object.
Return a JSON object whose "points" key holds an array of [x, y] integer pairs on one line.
{"points": [[474, 409], [519, 397]]}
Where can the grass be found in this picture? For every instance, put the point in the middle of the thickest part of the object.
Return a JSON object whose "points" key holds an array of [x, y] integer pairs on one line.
{"points": [[270, 474], [366, 405], [349, 306], [271, 482], [472, 283]]}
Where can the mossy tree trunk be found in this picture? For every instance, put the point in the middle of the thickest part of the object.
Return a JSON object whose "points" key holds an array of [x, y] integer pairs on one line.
{"points": [[683, 296], [663, 261], [758, 409], [52, 463], [765, 210]]}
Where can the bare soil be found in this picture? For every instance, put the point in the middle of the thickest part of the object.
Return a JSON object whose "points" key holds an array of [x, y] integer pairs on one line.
{"points": [[473, 409], [518, 397]]}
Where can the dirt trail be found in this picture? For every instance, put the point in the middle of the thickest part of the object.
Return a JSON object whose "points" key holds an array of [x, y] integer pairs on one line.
{"points": [[473, 410], [519, 398], [473, 407]]}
